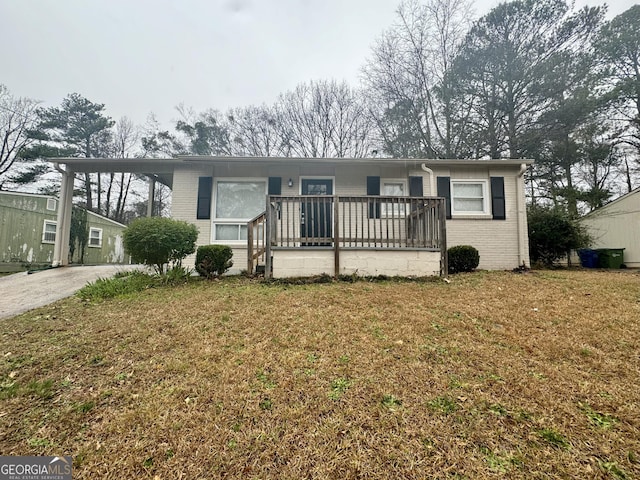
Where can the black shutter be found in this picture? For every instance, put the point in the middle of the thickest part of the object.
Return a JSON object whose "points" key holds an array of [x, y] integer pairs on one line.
{"points": [[205, 185], [497, 198], [373, 188], [415, 187], [444, 190], [275, 186]]}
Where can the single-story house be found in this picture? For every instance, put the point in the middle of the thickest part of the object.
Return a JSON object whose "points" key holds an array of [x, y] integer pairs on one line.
{"points": [[368, 216], [28, 232], [617, 225]]}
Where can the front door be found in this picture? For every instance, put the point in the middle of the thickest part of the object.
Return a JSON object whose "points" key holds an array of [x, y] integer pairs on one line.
{"points": [[316, 218]]}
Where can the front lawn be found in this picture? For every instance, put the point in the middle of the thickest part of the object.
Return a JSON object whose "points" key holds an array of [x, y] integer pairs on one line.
{"points": [[494, 375]]}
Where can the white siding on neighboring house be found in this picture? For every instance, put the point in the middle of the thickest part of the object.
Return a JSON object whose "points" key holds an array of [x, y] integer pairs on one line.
{"points": [[617, 225]]}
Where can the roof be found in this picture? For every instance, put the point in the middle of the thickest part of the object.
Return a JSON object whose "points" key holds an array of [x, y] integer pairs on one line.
{"points": [[162, 169], [364, 160], [611, 204]]}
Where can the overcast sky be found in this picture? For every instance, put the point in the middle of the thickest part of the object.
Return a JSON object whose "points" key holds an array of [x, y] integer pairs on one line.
{"points": [[143, 56]]}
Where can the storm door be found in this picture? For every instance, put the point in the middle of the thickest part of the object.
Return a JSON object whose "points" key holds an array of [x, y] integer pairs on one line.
{"points": [[316, 226]]}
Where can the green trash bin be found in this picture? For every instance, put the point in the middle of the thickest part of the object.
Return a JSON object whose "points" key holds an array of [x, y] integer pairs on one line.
{"points": [[610, 257]]}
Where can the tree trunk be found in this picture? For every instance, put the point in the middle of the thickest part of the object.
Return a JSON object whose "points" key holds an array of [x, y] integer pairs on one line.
{"points": [[87, 187]]}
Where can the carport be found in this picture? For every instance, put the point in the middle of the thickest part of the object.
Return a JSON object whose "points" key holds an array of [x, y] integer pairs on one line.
{"points": [[157, 170]]}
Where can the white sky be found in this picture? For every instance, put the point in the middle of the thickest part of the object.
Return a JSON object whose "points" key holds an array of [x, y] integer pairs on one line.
{"points": [[143, 56]]}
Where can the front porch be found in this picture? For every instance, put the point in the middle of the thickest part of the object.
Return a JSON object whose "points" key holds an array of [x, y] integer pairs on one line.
{"points": [[303, 235]]}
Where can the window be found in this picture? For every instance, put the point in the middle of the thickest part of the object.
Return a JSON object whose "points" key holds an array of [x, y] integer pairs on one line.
{"points": [[51, 204], [49, 232], [469, 197], [95, 237], [237, 202], [393, 188]]}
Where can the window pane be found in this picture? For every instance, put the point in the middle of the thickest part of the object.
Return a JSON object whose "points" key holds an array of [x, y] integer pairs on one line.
{"points": [[317, 189], [243, 232], [467, 190], [49, 233], [227, 232], [467, 205], [393, 189], [240, 199]]}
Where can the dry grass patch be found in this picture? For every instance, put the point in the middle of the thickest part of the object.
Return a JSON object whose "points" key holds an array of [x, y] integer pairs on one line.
{"points": [[493, 375]]}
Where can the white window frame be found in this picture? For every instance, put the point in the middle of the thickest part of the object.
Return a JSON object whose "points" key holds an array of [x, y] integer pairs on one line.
{"points": [[51, 204], [397, 211], [94, 229], [44, 231], [215, 222], [485, 197]]}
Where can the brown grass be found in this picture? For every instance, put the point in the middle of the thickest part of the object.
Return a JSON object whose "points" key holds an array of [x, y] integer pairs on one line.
{"points": [[494, 375]]}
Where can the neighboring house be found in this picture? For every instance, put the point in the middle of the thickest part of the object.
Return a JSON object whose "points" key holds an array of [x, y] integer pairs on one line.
{"points": [[28, 229], [368, 216], [617, 225]]}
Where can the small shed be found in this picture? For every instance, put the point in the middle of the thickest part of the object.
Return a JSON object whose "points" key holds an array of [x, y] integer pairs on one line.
{"points": [[28, 228], [617, 226]]}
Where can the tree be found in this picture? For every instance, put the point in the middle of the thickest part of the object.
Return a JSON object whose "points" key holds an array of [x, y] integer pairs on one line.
{"points": [[17, 117], [415, 102], [323, 119], [618, 45], [205, 133], [78, 128], [79, 233], [508, 68], [254, 132], [553, 233], [124, 142]]}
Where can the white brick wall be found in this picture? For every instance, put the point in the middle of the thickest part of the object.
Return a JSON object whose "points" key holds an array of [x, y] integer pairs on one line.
{"points": [[185, 201], [308, 262], [496, 240]]}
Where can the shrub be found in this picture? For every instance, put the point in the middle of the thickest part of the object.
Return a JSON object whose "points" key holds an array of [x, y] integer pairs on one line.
{"points": [[553, 234], [213, 260], [176, 275], [463, 258], [156, 241], [121, 284]]}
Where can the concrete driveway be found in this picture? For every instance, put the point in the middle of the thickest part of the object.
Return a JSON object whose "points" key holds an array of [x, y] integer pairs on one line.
{"points": [[22, 291]]}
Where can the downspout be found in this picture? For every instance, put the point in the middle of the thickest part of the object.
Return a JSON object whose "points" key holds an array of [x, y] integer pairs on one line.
{"points": [[523, 259], [432, 185]]}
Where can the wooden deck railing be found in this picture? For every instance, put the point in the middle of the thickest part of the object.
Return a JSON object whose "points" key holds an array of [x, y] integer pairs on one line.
{"points": [[256, 242], [347, 222]]}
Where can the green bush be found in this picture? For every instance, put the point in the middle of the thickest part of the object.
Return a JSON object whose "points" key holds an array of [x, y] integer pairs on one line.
{"points": [[213, 260], [157, 241], [553, 234], [176, 275], [121, 284], [463, 258]]}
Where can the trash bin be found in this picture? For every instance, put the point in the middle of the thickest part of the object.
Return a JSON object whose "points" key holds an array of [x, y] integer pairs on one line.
{"points": [[610, 257], [588, 258]]}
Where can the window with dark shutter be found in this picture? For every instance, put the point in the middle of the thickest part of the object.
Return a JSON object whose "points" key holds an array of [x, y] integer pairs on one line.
{"points": [[444, 190], [415, 187], [373, 188], [275, 185], [498, 208], [203, 211]]}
